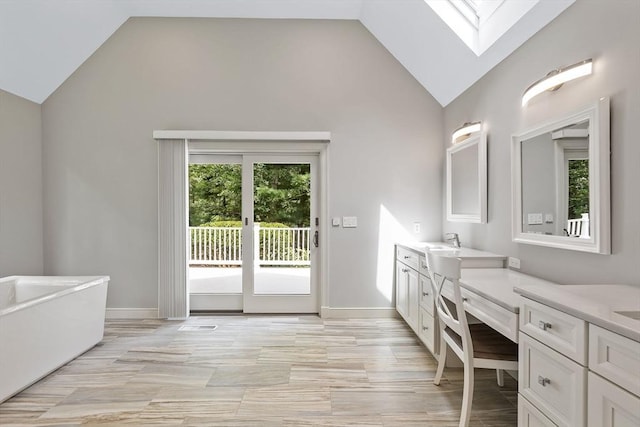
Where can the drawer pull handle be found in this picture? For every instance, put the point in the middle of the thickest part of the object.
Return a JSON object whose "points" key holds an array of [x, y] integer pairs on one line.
{"points": [[404, 270], [407, 256], [543, 381], [465, 299], [544, 325], [424, 266], [424, 328], [425, 294]]}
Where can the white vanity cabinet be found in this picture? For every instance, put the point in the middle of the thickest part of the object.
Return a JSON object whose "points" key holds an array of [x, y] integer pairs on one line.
{"points": [[427, 328], [551, 363], [573, 372], [413, 292], [407, 293], [610, 405], [411, 286], [530, 416], [614, 379]]}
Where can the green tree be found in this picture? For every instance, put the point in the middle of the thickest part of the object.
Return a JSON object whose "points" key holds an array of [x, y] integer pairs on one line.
{"points": [[281, 191], [578, 188], [214, 193]]}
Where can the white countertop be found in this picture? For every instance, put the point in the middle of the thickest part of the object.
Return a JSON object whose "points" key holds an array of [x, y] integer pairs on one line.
{"points": [[497, 285], [445, 249], [595, 304]]}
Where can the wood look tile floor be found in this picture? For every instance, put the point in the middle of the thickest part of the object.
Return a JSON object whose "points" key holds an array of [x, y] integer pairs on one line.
{"points": [[257, 371]]}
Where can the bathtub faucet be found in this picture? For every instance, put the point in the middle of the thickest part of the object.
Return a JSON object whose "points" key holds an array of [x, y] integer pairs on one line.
{"points": [[452, 237]]}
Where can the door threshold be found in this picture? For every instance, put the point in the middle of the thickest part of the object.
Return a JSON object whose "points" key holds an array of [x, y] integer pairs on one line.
{"points": [[215, 313]]}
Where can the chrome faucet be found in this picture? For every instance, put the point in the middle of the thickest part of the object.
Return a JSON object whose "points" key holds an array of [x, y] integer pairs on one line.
{"points": [[452, 237]]}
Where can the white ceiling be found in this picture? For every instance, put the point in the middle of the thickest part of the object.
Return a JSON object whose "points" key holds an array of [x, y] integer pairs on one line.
{"points": [[42, 42]]}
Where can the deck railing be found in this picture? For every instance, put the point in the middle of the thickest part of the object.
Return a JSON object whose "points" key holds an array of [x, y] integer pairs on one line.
{"points": [[223, 246], [579, 227]]}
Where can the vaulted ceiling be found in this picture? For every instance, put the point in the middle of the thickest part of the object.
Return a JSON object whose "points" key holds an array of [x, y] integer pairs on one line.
{"points": [[42, 42]]}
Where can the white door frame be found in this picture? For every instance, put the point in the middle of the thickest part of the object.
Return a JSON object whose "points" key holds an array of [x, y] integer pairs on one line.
{"points": [[173, 301]]}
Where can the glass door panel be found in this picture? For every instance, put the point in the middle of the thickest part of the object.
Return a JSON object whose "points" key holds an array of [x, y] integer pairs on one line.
{"points": [[280, 221], [215, 233], [281, 224]]}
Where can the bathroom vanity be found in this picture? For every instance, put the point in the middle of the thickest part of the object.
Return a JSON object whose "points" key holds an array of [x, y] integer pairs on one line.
{"points": [[579, 345], [414, 297], [579, 359]]}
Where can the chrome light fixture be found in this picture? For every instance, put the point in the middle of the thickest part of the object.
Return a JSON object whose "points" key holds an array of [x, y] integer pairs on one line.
{"points": [[465, 130], [556, 78]]}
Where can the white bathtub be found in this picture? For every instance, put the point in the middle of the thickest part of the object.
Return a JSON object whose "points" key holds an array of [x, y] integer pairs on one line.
{"points": [[44, 323]]}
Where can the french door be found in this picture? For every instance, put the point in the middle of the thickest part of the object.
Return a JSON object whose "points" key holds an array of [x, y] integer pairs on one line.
{"points": [[215, 233], [254, 248]]}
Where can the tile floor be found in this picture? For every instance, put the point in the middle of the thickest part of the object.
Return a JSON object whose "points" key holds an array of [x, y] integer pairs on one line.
{"points": [[257, 371]]}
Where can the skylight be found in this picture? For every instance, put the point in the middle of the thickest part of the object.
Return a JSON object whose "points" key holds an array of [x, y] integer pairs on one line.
{"points": [[480, 23], [469, 10]]}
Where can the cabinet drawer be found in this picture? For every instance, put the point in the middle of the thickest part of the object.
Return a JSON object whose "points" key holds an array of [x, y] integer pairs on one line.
{"points": [[530, 416], [426, 294], [553, 383], [615, 357], [494, 315], [558, 330], [427, 331], [407, 256], [422, 265], [611, 406]]}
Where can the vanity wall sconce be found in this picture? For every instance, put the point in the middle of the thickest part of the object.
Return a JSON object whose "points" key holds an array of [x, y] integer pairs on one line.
{"points": [[465, 130], [556, 78]]}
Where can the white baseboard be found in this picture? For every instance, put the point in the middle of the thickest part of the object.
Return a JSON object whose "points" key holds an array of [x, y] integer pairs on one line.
{"points": [[131, 313], [325, 313], [357, 312]]}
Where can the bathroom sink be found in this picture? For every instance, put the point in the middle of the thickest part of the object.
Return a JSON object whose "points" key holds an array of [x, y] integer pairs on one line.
{"points": [[439, 247], [635, 315]]}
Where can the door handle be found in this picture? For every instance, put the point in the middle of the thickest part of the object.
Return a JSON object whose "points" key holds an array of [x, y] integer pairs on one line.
{"points": [[315, 239]]}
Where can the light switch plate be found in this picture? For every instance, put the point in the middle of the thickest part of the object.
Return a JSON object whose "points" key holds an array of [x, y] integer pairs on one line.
{"points": [[416, 227], [534, 218], [514, 262], [335, 221], [349, 221]]}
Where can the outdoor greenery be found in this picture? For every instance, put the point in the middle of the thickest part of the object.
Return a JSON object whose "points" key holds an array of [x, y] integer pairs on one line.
{"points": [[238, 224], [281, 192], [282, 201], [578, 188], [214, 193]]}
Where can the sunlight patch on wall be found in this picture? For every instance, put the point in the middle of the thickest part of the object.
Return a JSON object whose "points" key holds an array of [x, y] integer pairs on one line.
{"points": [[390, 232]]}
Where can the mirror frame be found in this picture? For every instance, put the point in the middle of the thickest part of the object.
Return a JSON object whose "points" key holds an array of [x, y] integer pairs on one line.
{"points": [[599, 181], [480, 139]]}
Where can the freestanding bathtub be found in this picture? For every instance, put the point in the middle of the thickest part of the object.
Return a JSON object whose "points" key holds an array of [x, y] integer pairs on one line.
{"points": [[46, 321]]}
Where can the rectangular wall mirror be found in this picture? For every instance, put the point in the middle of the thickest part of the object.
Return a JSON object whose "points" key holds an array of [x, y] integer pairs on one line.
{"points": [[560, 182], [467, 180]]}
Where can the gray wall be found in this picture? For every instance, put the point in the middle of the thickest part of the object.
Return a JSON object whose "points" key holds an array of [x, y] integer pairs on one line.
{"points": [[464, 181], [20, 186], [100, 162], [538, 183], [607, 32]]}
